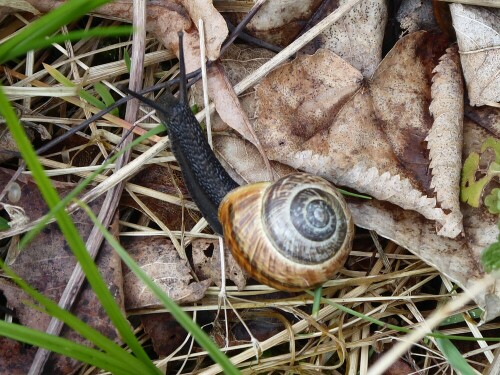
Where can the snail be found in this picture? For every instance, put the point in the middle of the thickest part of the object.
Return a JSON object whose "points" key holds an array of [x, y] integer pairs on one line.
{"points": [[293, 234]]}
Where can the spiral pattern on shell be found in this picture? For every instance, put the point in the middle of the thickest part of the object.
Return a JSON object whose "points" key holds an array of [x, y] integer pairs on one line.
{"points": [[293, 234]]}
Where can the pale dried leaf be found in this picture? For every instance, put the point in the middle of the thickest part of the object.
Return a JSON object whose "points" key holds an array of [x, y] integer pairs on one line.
{"points": [[215, 27], [161, 261], [357, 37], [444, 140], [478, 36], [206, 262], [279, 22], [298, 100]]}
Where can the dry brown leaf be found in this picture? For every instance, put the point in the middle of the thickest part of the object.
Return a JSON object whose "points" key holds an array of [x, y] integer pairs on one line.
{"points": [[215, 27], [47, 264], [159, 259], [206, 262], [478, 36], [357, 37], [279, 22], [376, 143], [444, 140]]}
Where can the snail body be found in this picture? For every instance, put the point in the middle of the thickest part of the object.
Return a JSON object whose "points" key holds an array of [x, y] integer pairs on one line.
{"points": [[293, 234]]}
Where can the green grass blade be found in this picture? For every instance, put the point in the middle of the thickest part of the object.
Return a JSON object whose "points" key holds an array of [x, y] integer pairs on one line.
{"points": [[454, 357], [36, 31], [101, 32], [182, 318], [94, 336], [70, 232], [65, 347], [106, 96]]}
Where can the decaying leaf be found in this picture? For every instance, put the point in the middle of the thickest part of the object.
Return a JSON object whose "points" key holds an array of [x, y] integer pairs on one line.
{"points": [[444, 140], [316, 115], [206, 262], [478, 36], [47, 264], [357, 37], [159, 259]]}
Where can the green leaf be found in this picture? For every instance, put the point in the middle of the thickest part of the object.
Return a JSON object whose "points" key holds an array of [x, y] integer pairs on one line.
{"points": [[65, 347], [72, 35], [4, 224], [490, 257], [492, 201], [454, 357], [494, 145], [106, 96], [471, 189]]}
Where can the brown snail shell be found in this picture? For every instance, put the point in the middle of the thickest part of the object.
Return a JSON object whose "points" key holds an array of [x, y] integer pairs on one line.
{"points": [[292, 235]]}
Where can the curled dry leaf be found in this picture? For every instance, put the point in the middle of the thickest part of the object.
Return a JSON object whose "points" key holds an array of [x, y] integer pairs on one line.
{"points": [[317, 115], [478, 36], [357, 37], [238, 61], [206, 262], [159, 259], [444, 140]]}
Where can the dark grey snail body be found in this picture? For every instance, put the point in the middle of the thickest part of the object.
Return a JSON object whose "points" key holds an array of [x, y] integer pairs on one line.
{"points": [[279, 251]]}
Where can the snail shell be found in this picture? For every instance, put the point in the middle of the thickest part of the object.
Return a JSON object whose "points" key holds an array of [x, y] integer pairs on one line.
{"points": [[293, 234]]}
